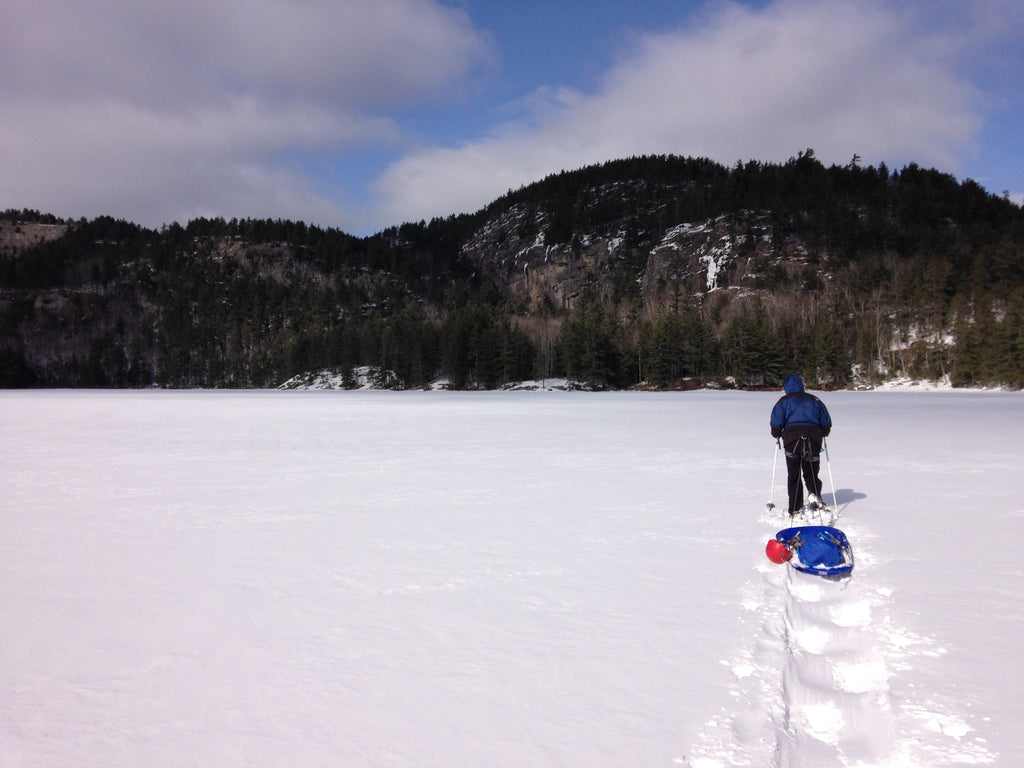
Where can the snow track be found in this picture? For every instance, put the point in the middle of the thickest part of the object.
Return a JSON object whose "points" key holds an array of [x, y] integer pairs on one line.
{"points": [[813, 690], [834, 679]]}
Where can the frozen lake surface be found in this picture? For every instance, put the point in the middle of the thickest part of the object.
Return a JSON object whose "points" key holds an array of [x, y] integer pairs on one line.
{"points": [[501, 579]]}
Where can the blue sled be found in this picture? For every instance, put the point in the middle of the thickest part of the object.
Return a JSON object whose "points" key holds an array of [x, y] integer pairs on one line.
{"points": [[818, 549]]}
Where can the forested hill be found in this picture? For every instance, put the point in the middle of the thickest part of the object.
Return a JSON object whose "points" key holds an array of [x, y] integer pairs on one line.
{"points": [[653, 271]]}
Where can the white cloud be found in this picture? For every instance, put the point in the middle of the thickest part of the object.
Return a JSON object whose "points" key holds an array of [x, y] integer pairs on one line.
{"points": [[213, 160], [161, 111], [164, 111], [840, 77]]}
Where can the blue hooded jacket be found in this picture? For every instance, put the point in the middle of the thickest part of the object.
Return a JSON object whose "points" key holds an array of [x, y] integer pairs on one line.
{"points": [[797, 407]]}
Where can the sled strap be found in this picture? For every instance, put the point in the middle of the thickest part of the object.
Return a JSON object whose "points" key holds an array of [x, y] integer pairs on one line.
{"points": [[794, 543], [830, 538]]}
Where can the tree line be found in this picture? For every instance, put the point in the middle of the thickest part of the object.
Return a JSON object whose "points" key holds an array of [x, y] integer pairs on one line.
{"points": [[901, 273]]}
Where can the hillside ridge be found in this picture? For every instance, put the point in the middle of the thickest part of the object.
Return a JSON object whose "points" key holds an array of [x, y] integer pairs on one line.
{"points": [[647, 270]]}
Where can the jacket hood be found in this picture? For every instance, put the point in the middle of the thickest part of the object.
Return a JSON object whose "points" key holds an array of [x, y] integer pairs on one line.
{"points": [[793, 384]]}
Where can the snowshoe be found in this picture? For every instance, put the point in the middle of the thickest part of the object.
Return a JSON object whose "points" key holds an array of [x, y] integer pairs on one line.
{"points": [[807, 515]]}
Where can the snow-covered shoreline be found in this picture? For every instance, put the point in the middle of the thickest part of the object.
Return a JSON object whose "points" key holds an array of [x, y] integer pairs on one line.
{"points": [[369, 378]]}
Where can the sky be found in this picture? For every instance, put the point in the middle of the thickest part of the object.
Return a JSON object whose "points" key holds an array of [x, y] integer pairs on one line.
{"points": [[364, 114]]}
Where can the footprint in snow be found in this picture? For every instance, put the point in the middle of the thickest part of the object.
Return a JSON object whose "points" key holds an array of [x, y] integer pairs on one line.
{"points": [[815, 687]]}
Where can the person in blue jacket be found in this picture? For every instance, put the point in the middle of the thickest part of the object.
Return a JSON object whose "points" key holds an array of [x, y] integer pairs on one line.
{"points": [[801, 421]]}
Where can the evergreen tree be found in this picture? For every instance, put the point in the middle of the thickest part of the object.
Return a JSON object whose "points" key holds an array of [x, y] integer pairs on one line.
{"points": [[751, 351], [589, 345]]}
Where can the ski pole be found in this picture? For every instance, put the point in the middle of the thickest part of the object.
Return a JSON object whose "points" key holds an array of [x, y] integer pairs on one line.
{"points": [[775, 463], [828, 462]]}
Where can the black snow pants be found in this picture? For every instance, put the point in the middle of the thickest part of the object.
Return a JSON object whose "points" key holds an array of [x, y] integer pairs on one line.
{"points": [[803, 457]]}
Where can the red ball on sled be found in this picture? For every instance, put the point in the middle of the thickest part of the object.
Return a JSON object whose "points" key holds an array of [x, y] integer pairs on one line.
{"points": [[777, 551]]}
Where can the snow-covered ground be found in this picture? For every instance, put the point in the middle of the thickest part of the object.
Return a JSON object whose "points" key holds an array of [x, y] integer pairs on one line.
{"points": [[501, 579]]}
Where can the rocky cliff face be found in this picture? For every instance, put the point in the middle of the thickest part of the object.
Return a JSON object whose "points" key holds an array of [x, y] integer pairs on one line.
{"points": [[620, 263], [17, 236]]}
